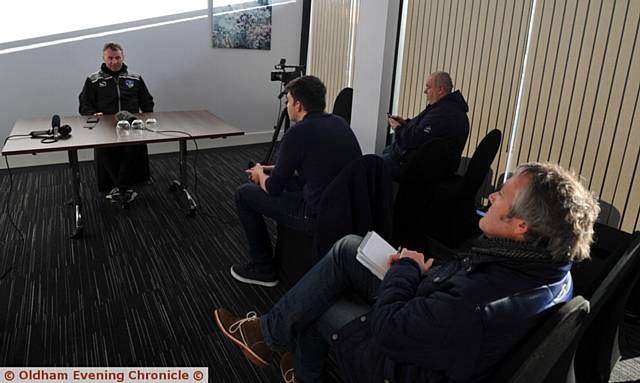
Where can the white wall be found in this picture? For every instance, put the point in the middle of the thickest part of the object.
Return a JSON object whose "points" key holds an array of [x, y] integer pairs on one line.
{"points": [[179, 66], [373, 73]]}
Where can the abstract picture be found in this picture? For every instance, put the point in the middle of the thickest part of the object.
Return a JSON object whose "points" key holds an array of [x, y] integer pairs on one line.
{"points": [[244, 25]]}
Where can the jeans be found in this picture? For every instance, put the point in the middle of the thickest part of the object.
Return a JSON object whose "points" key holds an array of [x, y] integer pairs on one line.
{"points": [[291, 321], [287, 209], [392, 160]]}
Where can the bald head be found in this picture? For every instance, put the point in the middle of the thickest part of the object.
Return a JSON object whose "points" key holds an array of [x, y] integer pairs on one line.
{"points": [[438, 85]]}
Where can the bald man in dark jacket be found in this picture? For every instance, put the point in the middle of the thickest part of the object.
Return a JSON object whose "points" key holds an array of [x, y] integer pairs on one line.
{"points": [[444, 117]]}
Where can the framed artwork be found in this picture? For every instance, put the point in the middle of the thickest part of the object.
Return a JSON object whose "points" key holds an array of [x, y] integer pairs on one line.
{"points": [[243, 25]]}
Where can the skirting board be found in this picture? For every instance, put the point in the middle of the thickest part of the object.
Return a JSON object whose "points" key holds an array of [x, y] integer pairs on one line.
{"points": [[24, 160]]}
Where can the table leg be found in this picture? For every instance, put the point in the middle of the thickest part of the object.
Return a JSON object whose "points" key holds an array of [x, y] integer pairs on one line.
{"points": [[77, 201], [182, 183]]}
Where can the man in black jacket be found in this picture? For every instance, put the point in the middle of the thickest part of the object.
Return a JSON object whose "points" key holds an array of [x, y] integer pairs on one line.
{"points": [[444, 117], [312, 153], [110, 90], [450, 323]]}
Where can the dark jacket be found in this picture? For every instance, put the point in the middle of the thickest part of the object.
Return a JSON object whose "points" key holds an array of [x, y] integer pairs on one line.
{"points": [[358, 200], [446, 118], [101, 94], [318, 148], [452, 325], [109, 92]]}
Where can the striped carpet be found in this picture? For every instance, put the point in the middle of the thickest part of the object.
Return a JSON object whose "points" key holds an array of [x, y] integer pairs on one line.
{"points": [[141, 287]]}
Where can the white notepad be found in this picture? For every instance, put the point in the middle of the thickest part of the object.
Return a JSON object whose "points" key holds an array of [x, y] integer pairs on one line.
{"points": [[374, 252]]}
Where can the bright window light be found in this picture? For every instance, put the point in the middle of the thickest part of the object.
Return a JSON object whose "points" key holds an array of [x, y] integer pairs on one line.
{"points": [[26, 19]]}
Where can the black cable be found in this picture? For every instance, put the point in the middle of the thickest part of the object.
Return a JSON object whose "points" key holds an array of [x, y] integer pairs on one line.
{"points": [[6, 208], [194, 165]]}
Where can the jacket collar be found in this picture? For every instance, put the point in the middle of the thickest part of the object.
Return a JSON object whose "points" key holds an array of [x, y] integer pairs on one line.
{"points": [[104, 69]]}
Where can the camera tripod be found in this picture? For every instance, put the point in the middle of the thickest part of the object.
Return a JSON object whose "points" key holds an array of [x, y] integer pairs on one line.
{"points": [[282, 120]]}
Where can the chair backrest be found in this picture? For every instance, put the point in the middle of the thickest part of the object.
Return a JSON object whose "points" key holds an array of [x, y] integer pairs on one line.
{"points": [[417, 183], [608, 247], [597, 352], [428, 164], [358, 200], [481, 160], [533, 358], [342, 105]]}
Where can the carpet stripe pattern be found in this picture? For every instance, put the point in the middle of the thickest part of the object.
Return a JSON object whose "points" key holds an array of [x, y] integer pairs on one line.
{"points": [[141, 287]]}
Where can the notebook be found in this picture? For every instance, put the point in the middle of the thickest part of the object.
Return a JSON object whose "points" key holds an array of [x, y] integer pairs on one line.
{"points": [[374, 252]]}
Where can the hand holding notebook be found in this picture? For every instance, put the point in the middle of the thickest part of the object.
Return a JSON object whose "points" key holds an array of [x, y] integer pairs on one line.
{"points": [[378, 255], [374, 253]]}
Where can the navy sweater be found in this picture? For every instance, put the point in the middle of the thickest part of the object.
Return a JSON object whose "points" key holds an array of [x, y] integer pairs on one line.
{"points": [[317, 147]]}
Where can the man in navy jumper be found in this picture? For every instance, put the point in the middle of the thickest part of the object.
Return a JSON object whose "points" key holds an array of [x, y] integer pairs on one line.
{"points": [[449, 323], [312, 153], [445, 116]]}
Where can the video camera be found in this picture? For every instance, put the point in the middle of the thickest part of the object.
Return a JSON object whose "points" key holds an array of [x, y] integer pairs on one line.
{"points": [[281, 74]]}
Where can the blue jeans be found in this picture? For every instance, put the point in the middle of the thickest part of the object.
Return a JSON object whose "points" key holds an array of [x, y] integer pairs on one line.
{"points": [[287, 209], [291, 321], [392, 160]]}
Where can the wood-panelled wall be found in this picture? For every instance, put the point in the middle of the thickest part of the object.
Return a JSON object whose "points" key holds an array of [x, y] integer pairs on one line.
{"points": [[331, 40], [581, 97], [579, 103]]}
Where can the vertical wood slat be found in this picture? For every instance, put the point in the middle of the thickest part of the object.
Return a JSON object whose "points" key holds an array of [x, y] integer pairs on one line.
{"points": [[332, 30]]}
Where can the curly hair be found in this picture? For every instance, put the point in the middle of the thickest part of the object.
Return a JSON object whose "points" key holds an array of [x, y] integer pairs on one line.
{"points": [[558, 209]]}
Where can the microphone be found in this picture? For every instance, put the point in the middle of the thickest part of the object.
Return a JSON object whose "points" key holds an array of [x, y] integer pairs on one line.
{"points": [[64, 131], [55, 122], [127, 116], [55, 125]]}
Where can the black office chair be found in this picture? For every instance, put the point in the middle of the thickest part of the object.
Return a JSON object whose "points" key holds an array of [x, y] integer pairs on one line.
{"points": [[533, 358], [342, 105], [598, 350], [422, 171], [356, 201], [452, 211], [530, 360], [608, 247], [596, 343]]}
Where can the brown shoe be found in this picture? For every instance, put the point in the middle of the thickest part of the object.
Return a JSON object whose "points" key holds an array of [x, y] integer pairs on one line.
{"points": [[286, 368], [245, 332]]}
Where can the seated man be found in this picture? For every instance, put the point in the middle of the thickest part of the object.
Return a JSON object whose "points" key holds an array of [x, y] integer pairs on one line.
{"points": [[427, 324], [110, 90], [444, 117], [317, 147]]}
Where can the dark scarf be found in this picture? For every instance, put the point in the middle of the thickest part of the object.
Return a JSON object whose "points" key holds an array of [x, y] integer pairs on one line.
{"points": [[509, 249]]}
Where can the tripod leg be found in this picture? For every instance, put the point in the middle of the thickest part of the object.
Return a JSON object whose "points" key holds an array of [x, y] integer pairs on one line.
{"points": [[284, 118]]}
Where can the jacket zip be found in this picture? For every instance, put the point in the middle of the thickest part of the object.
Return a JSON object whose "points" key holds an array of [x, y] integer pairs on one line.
{"points": [[117, 78]]}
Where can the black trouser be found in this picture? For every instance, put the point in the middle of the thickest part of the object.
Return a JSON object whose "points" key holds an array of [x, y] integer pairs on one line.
{"points": [[121, 166]]}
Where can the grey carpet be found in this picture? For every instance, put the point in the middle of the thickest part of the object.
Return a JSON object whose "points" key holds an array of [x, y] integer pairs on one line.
{"points": [[141, 287]]}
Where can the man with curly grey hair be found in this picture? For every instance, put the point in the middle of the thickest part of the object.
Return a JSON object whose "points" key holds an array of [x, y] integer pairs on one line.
{"points": [[453, 322]]}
